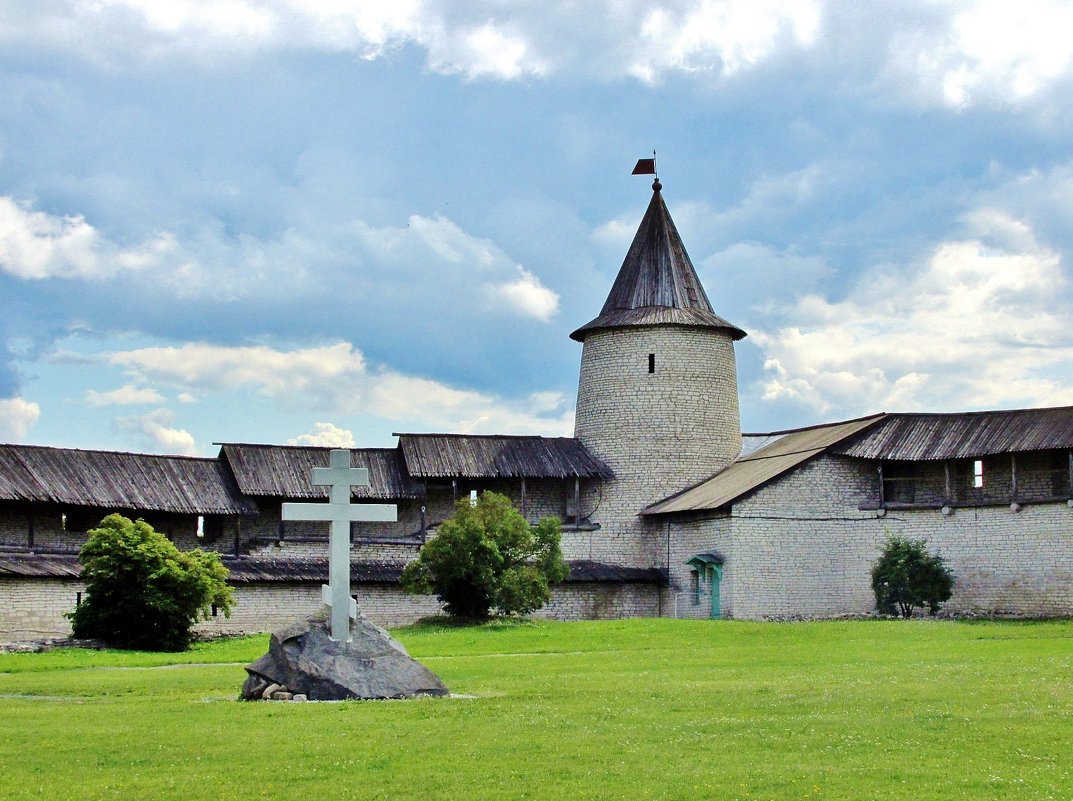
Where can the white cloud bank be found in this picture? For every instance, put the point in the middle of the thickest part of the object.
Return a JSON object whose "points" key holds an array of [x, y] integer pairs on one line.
{"points": [[17, 416], [955, 54], [127, 395], [984, 323], [335, 379], [428, 251], [36, 245]]}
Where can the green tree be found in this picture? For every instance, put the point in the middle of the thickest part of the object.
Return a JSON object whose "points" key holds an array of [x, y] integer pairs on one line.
{"points": [[486, 556], [141, 591], [906, 576]]}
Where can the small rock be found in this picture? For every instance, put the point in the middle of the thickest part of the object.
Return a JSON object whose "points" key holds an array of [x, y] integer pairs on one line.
{"points": [[299, 697], [281, 695], [271, 688]]}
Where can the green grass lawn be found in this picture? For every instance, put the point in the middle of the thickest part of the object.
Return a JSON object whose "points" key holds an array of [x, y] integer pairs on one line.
{"points": [[636, 709]]}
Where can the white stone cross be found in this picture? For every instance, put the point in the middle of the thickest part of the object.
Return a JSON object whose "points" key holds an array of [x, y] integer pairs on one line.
{"points": [[340, 476]]}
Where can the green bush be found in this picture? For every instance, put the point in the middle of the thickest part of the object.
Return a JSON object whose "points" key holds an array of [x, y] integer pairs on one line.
{"points": [[141, 591], [907, 576], [486, 556]]}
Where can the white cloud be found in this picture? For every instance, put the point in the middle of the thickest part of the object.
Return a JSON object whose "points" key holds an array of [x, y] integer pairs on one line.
{"points": [[336, 379], [526, 295], [123, 396], [723, 38], [36, 245], [986, 51], [983, 323], [479, 39], [325, 435], [156, 435], [17, 416], [955, 54], [430, 258]]}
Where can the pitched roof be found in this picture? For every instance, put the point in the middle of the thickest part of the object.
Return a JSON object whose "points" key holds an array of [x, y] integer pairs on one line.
{"points": [[751, 472], [284, 471], [656, 284], [111, 480], [964, 435], [498, 456], [249, 569]]}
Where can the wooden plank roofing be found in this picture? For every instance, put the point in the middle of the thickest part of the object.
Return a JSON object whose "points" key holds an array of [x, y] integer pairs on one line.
{"points": [[751, 472], [119, 481], [478, 456], [256, 569], [965, 435], [656, 284], [280, 471]]}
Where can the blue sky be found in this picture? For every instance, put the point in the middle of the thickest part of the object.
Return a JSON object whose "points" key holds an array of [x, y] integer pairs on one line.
{"points": [[289, 221]]}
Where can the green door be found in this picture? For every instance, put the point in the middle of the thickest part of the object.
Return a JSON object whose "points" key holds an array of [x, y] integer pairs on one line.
{"points": [[715, 578], [709, 572]]}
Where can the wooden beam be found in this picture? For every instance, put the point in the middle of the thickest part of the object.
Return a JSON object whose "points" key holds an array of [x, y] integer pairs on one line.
{"points": [[946, 477], [882, 489], [577, 500], [1013, 477], [525, 507]]}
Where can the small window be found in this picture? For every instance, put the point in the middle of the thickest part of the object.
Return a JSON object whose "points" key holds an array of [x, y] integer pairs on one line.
{"points": [[200, 526], [651, 362], [215, 610], [978, 473], [473, 497]]}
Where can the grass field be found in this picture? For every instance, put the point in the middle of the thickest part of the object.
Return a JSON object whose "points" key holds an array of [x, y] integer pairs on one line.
{"points": [[642, 709]]}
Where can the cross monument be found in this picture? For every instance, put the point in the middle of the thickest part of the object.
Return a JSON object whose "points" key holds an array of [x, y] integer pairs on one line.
{"points": [[340, 512]]}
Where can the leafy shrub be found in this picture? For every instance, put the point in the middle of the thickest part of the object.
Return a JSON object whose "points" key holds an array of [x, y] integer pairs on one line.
{"points": [[907, 576], [141, 591], [486, 556]]}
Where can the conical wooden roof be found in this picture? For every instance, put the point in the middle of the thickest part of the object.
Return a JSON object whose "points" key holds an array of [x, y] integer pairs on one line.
{"points": [[657, 284]]}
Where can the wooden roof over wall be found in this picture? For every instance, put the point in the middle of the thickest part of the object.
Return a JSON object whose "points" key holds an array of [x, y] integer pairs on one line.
{"points": [[964, 435], [254, 569], [473, 456], [282, 471], [119, 481]]}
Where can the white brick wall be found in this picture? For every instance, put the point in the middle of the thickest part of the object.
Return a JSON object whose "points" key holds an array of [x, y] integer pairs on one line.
{"points": [[34, 608], [800, 547]]}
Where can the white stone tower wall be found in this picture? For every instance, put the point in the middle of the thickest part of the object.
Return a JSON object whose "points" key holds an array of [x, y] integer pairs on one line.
{"points": [[659, 432]]}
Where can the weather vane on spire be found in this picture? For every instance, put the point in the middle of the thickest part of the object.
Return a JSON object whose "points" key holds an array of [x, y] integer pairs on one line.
{"points": [[648, 167]]}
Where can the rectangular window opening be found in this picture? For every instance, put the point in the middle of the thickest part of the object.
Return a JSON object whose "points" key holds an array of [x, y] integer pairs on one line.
{"points": [[694, 587], [651, 362], [978, 473], [200, 526]]}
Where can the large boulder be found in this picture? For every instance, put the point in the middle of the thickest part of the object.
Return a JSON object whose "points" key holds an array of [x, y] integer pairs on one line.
{"points": [[303, 659]]}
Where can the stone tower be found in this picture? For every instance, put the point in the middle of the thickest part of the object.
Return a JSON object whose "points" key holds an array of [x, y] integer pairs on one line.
{"points": [[658, 393]]}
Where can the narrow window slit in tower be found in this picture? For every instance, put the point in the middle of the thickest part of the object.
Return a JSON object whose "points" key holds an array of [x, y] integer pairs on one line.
{"points": [[651, 362]]}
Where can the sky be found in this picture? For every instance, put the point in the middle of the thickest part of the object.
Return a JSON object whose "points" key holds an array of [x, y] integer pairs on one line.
{"points": [[301, 222]]}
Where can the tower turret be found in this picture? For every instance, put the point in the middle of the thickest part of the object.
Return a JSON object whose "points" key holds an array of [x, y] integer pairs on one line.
{"points": [[658, 393]]}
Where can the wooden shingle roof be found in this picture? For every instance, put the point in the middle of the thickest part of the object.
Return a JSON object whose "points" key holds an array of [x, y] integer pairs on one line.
{"points": [[285, 471], [257, 569], [964, 435], [656, 284], [121, 481], [498, 456]]}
